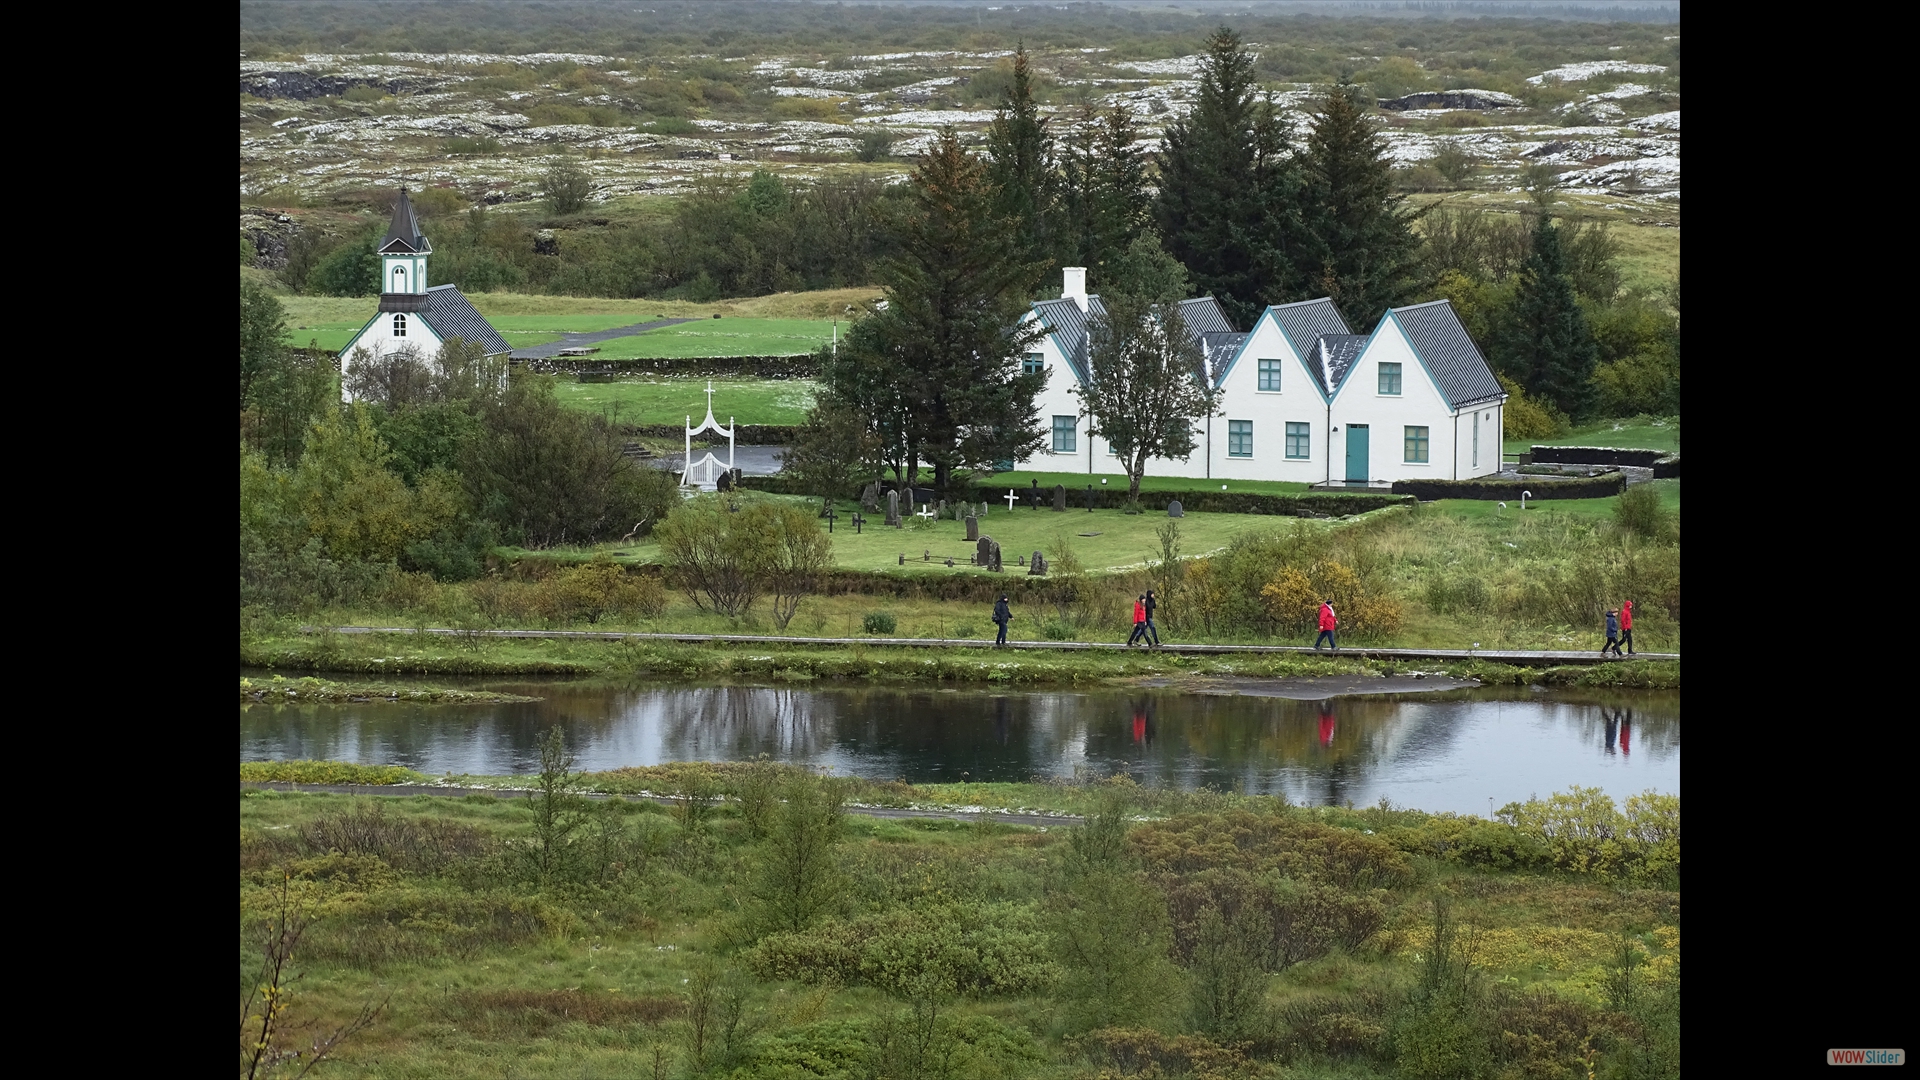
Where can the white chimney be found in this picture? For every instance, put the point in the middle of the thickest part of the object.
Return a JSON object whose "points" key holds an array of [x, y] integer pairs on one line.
{"points": [[1075, 288]]}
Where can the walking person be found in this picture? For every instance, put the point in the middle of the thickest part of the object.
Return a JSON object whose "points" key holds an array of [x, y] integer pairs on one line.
{"points": [[1626, 625], [1328, 622], [1613, 633], [1139, 621], [1152, 630], [1002, 614]]}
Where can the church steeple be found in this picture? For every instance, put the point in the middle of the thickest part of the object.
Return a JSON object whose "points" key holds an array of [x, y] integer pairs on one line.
{"points": [[403, 260]]}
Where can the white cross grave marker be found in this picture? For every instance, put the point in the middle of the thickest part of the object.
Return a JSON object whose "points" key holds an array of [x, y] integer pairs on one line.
{"points": [[1011, 499]]}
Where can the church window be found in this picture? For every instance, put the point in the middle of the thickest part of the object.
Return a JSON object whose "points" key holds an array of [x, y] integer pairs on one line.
{"points": [[399, 326], [399, 279]]}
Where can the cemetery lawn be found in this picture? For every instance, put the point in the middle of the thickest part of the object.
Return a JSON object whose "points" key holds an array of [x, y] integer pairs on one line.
{"points": [[666, 399], [1124, 541]]}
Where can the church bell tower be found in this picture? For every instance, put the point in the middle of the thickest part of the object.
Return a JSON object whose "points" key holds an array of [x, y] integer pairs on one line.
{"points": [[403, 261]]}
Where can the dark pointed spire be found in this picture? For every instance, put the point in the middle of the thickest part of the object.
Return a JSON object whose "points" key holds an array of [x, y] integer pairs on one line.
{"points": [[403, 236]]}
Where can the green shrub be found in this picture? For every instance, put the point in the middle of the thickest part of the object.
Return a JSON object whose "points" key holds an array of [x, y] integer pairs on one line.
{"points": [[461, 145], [879, 622], [1527, 419], [1640, 511], [977, 950], [1060, 631]]}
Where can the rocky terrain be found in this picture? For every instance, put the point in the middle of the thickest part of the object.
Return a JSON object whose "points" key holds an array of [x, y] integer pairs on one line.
{"points": [[489, 125]]}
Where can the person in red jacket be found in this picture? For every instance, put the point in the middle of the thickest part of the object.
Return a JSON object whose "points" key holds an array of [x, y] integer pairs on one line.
{"points": [[1626, 625], [1328, 621], [1139, 621]]}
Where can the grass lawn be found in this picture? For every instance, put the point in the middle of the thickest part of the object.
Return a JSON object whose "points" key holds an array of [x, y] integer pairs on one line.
{"points": [[1634, 433], [722, 337], [1021, 479], [1584, 509], [1124, 540], [665, 400]]}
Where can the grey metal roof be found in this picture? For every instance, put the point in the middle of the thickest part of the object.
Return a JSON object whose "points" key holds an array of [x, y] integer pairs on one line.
{"points": [[1305, 321], [451, 315], [1069, 326], [403, 235], [1331, 358], [1204, 315], [1448, 352], [1220, 349]]}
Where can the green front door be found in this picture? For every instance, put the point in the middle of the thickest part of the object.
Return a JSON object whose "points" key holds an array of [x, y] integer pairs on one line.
{"points": [[1357, 454]]}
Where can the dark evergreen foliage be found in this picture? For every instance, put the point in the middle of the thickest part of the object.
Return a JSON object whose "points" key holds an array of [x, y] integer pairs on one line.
{"points": [[1364, 253], [1546, 342], [1229, 205], [938, 369], [1103, 202], [1020, 162]]}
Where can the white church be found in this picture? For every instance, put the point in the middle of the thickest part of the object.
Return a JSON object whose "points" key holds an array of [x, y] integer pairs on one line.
{"points": [[411, 312], [1302, 398]]}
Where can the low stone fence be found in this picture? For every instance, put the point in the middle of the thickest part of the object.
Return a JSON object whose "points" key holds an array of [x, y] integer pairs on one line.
{"points": [[589, 368]]}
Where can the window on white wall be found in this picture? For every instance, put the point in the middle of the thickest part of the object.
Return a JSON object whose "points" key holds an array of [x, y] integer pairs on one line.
{"points": [[399, 279], [1389, 378], [399, 323], [1417, 444], [1476, 440], [1270, 375], [1063, 440], [1299, 440], [1032, 363], [1239, 438]]}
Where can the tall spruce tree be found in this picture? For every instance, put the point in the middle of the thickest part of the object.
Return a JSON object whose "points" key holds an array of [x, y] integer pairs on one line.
{"points": [[1546, 341], [1230, 188], [938, 369], [1364, 254], [1020, 162], [1103, 203]]}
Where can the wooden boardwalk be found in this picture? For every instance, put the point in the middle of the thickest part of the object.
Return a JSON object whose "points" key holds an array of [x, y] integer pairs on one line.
{"points": [[1516, 657]]}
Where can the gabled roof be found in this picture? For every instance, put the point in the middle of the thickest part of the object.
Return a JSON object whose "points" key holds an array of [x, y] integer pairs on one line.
{"points": [[1220, 349], [1330, 358], [1069, 326], [403, 236], [451, 315], [1448, 352], [1204, 315], [1303, 323]]}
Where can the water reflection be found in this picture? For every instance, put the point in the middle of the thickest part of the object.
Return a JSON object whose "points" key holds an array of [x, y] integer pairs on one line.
{"points": [[1453, 751]]}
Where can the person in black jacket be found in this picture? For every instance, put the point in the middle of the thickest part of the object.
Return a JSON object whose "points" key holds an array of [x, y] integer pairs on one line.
{"points": [[1152, 630], [1002, 614]]}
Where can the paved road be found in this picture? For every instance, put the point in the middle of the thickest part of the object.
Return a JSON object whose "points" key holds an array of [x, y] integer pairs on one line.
{"points": [[1523, 658], [552, 348], [864, 811]]}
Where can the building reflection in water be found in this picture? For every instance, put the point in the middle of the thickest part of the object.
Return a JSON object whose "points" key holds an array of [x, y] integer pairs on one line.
{"points": [[1423, 750]]}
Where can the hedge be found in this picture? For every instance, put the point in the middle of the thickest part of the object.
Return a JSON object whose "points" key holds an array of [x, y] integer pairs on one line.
{"points": [[1666, 468], [743, 435], [1594, 455], [1590, 487], [800, 366]]}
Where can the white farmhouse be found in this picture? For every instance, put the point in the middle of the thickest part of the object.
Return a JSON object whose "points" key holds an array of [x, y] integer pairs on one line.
{"points": [[1302, 398], [411, 313]]}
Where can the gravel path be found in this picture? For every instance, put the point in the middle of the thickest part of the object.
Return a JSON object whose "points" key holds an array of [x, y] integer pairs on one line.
{"points": [[552, 348]]}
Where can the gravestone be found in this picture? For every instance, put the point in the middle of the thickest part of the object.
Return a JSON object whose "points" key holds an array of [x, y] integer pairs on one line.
{"points": [[1174, 509], [1089, 498], [1038, 565], [723, 482], [973, 528], [940, 511], [1033, 495], [893, 508], [870, 497], [987, 553], [1060, 498]]}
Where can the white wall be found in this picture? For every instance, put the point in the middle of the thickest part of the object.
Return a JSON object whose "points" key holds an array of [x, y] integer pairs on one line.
{"points": [[378, 339], [1419, 403], [411, 276], [1298, 401]]}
